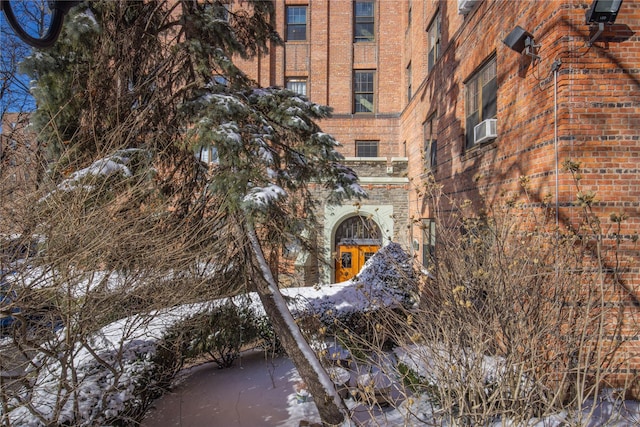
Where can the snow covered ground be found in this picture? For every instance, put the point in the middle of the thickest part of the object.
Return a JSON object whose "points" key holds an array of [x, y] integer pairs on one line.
{"points": [[255, 392], [260, 392]]}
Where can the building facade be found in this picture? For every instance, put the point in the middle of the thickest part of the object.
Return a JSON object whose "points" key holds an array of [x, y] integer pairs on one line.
{"points": [[20, 166], [475, 94], [472, 94], [347, 55]]}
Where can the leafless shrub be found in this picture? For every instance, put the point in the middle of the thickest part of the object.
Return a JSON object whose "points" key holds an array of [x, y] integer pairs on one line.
{"points": [[101, 248], [514, 322]]}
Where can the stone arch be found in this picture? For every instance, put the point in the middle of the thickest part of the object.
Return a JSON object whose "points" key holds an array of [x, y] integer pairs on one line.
{"points": [[380, 215]]}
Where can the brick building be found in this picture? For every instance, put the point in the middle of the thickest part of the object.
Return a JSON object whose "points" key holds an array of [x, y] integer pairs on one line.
{"points": [[358, 73], [19, 165], [410, 81]]}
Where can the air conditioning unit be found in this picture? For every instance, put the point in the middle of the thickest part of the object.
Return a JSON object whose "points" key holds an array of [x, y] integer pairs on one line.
{"points": [[466, 6], [485, 131]]}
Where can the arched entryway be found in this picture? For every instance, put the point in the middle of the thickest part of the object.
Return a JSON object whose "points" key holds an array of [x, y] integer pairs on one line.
{"points": [[357, 239]]}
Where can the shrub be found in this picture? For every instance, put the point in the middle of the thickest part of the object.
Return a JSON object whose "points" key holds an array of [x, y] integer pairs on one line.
{"points": [[222, 332]]}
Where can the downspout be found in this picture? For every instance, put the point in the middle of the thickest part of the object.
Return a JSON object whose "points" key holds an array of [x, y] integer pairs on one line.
{"points": [[555, 67]]}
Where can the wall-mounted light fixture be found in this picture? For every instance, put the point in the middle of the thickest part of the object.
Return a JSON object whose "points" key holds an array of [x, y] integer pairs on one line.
{"points": [[522, 41], [602, 12]]}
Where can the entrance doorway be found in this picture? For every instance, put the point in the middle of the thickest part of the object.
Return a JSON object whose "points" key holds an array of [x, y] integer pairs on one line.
{"points": [[357, 239]]}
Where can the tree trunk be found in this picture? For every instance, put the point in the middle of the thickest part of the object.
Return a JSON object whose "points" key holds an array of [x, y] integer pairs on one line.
{"points": [[330, 405]]}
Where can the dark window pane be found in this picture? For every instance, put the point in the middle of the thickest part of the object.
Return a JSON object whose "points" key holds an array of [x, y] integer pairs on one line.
{"points": [[364, 103], [428, 241], [346, 260], [364, 9], [489, 105], [434, 154], [363, 28], [296, 23], [363, 92], [364, 32], [366, 148], [364, 82], [431, 59], [296, 32], [472, 121]]}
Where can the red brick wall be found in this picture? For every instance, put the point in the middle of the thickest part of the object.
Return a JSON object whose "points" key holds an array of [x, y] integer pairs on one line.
{"points": [[598, 118], [598, 99], [329, 57], [598, 106]]}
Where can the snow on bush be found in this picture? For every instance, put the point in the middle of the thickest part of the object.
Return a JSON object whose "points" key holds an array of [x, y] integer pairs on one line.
{"points": [[113, 366], [108, 370], [385, 281]]}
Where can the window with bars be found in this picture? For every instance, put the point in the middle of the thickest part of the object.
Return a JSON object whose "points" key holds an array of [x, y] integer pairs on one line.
{"points": [[297, 85], [434, 42], [430, 142], [363, 91], [367, 148], [363, 26], [480, 98], [296, 23], [358, 230]]}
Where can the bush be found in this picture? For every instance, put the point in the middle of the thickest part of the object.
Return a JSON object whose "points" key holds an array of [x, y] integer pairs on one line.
{"points": [[511, 323], [222, 332]]}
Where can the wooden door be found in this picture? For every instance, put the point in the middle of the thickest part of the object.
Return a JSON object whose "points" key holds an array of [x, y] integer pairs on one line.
{"points": [[351, 259]]}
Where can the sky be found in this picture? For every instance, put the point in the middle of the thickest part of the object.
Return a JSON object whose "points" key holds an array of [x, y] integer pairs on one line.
{"points": [[15, 97]]}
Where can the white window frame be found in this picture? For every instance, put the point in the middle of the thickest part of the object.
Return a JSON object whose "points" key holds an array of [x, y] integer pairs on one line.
{"points": [[295, 84]]}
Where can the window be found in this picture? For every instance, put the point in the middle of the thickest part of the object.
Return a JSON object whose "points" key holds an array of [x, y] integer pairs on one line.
{"points": [[363, 91], [366, 148], [368, 256], [297, 85], [409, 78], [428, 241], [346, 260], [358, 230], [296, 23], [434, 42], [480, 98], [430, 142], [363, 21], [208, 154]]}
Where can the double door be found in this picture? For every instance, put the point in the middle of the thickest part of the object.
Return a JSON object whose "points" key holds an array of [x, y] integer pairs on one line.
{"points": [[351, 259]]}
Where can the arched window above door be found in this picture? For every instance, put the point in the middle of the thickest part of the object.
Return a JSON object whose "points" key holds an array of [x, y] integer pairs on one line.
{"points": [[358, 230]]}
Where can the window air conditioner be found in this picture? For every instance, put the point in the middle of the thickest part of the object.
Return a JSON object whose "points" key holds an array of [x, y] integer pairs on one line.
{"points": [[466, 6], [485, 131]]}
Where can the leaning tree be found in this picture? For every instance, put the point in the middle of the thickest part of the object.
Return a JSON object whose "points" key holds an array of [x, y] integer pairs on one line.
{"points": [[158, 77]]}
